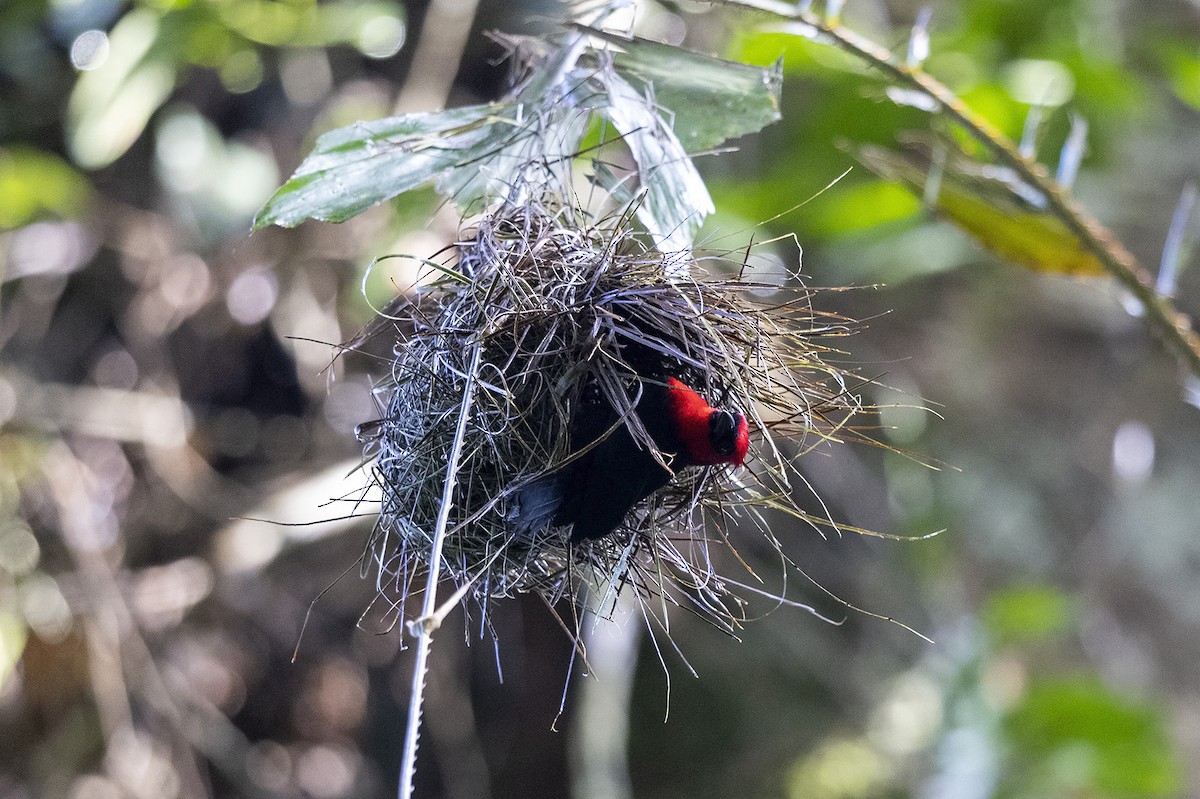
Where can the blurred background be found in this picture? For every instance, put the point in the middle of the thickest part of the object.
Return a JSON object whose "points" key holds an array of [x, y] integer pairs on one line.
{"points": [[168, 378]]}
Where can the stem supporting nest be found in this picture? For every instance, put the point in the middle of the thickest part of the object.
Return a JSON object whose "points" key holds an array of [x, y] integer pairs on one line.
{"points": [[429, 620]]}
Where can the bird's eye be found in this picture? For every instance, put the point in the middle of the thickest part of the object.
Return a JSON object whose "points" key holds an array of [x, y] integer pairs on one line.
{"points": [[722, 432]]}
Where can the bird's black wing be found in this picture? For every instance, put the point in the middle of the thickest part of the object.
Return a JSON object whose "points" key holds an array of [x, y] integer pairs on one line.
{"points": [[612, 474], [619, 472], [617, 476]]}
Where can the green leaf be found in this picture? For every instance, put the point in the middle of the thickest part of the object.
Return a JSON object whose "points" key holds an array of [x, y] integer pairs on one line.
{"points": [[356, 167], [1003, 213], [472, 154], [710, 100], [1075, 736], [478, 153], [676, 199], [511, 151]]}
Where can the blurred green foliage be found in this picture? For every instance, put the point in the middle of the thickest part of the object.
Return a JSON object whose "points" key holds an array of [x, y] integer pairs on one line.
{"points": [[38, 185], [1027, 613], [1006, 726], [1066, 57], [1002, 213], [152, 45], [1074, 735]]}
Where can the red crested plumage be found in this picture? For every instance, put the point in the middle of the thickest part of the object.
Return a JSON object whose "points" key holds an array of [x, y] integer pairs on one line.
{"points": [[693, 417]]}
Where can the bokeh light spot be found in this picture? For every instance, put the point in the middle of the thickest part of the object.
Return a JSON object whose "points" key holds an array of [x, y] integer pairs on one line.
{"points": [[186, 283], [116, 369], [326, 772], [1133, 452], [89, 50], [45, 608], [184, 150], [381, 37], [242, 72], [19, 550], [252, 295], [269, 766], [93, 786], [1039, 82], [306, 76]]}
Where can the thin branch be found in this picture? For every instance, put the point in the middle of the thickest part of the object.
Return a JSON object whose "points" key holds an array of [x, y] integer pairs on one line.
{"points": [[428, 621], [1173, 328]]}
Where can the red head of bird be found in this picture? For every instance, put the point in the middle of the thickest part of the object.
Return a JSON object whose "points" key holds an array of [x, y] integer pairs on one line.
{"points": [[711, 436]]}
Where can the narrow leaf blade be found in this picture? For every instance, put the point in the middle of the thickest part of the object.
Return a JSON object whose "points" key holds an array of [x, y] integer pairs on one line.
{"points": [[362, 165], [676, 198], [1001, 213]]}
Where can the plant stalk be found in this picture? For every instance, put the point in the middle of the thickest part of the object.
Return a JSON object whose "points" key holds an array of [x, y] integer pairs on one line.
{"points": [[1172, 327], [429, 620]]}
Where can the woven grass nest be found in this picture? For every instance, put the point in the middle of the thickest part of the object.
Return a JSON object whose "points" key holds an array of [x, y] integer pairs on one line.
{"points": [[515, 321]]}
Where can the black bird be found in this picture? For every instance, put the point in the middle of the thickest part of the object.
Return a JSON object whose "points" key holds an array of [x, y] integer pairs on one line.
{"points": [[594, 492]]}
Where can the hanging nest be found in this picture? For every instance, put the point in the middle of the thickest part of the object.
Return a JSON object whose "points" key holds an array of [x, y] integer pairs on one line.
{"points": [[510, 328]]}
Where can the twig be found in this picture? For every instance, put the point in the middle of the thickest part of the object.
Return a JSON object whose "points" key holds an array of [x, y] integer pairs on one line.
{"points": [[1171, 326], [428, 620]]}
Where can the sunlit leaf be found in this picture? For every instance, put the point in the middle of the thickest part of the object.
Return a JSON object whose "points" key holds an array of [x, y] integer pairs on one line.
{"points": [[356, 167], [990, 203], [710, 100], [676, 198]]}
